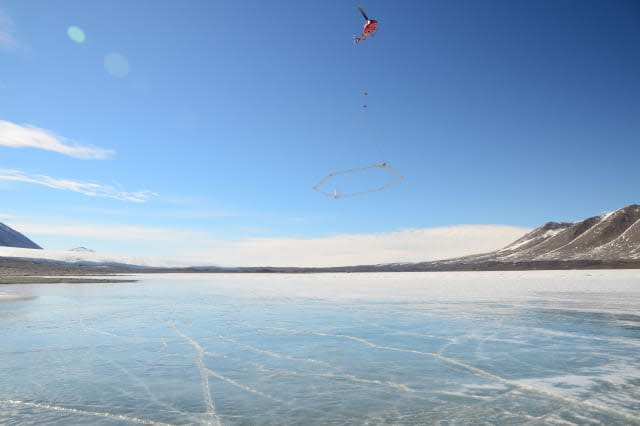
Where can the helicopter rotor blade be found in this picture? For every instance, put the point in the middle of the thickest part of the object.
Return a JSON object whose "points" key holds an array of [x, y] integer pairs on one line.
{"points": [[363, 13]]}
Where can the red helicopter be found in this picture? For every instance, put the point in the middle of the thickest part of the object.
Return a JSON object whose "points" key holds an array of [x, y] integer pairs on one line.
{"points": [[370, 27]]}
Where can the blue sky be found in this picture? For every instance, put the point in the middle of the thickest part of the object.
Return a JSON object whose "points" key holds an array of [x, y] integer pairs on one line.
{"points": [[219, 117]]}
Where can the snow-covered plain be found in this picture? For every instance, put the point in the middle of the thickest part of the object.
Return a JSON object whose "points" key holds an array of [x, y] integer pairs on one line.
{"points": [[75, 255], [533, 348]]}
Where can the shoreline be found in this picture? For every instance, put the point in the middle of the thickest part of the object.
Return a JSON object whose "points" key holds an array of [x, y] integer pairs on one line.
{"points": [[13, 280], [39, 271]]}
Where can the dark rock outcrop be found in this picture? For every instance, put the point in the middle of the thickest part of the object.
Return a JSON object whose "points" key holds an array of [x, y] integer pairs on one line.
{"points": [[12, 238]]}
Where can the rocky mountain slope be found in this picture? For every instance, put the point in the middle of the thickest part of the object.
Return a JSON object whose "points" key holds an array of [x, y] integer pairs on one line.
{"points": [[611, 236], [12, 238], [610, 240]]}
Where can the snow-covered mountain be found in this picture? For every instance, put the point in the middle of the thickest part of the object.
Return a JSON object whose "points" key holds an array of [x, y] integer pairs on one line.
{"points": [[12, 238], [610, 236], [82, 250], [87, 258], [610, 240]]}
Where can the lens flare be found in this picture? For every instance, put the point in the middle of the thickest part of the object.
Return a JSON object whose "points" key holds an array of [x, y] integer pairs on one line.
{"points": [[116, 65], [76, 34]]}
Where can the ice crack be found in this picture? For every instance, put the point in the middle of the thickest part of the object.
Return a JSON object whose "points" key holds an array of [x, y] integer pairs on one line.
{"points": [[204, 373]]}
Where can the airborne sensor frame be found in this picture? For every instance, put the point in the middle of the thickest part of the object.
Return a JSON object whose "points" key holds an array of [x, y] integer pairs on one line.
{"points": [[336, 194]]}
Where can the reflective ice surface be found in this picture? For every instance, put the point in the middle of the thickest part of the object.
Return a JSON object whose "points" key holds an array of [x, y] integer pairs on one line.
{"points": [[426, 348]]}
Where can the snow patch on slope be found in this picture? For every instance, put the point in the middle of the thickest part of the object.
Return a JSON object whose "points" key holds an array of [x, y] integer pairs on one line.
{"points": [[548, 234]]}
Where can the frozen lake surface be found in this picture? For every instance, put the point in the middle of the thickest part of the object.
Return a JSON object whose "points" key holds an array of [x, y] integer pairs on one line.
{"points": [[517, 348]]}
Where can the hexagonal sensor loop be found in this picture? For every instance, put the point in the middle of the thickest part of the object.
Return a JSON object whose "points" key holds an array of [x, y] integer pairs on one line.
{"points": [[333, 184]]}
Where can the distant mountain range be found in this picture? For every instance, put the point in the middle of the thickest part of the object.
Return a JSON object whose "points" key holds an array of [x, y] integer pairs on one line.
{"points": [[82, 250], [611, 240], [12, 238]]}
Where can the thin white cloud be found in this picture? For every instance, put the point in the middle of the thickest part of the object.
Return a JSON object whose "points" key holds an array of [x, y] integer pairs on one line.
{"points": [[90, 189], [16, 136], [168, 214], [7, 38]]}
